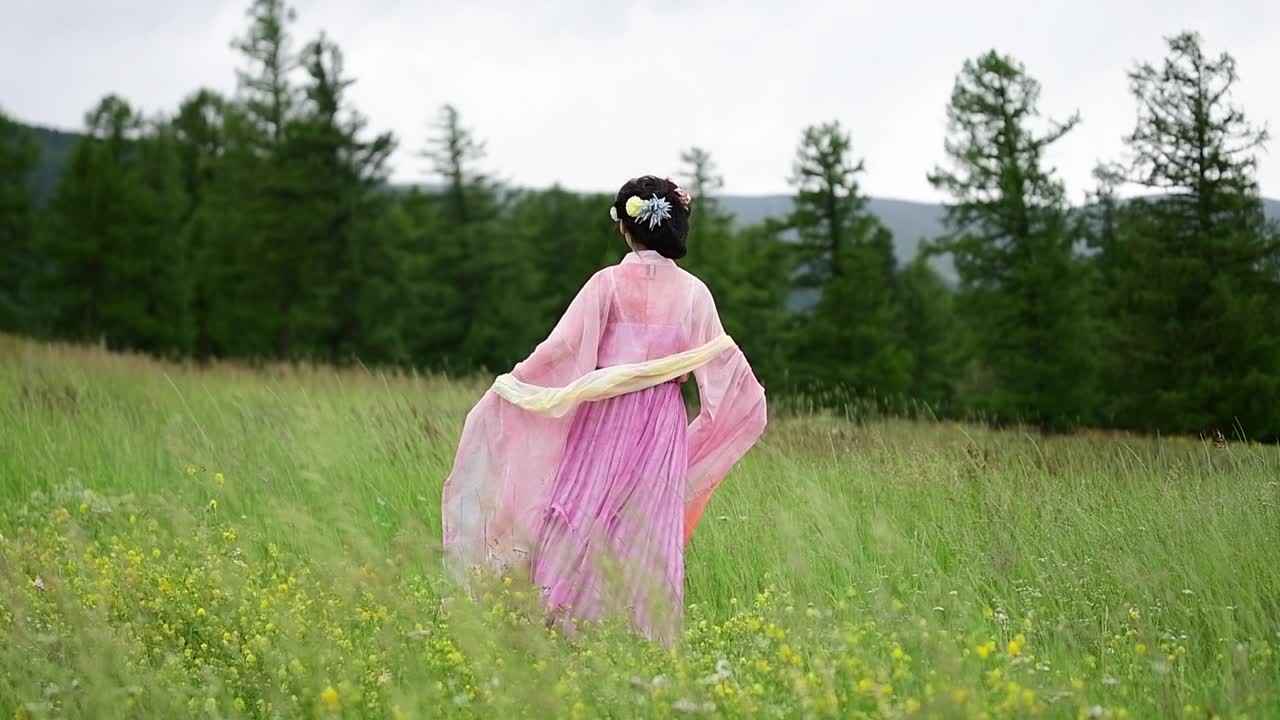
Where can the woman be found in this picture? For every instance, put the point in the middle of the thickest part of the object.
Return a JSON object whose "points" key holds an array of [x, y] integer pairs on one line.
{"points": [[580, 468]]}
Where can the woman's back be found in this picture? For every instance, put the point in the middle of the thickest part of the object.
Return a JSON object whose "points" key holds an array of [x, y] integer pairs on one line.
{"points": [[568, 468], [650, 310]]}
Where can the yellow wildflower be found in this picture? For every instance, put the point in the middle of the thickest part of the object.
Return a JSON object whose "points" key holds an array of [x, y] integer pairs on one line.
{"points": [[217, 478], [986, 649], [330, 698], [1015, 645]]}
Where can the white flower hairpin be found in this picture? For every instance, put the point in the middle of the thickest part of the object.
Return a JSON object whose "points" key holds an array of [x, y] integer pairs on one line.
{"points": [[655, 211]]}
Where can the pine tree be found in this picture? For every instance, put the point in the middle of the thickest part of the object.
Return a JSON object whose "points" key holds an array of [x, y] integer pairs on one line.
{"points": [[830, 212], [928, 319], [713, 250], [570, 237], [18, 157], [377, 325], [454, 153], [87, 232], [350, 272], [702, 179], [199, 134], [1201, 350], [1104, 210], [492, 276], [754, 311], [114, 246], [163, 253], [1012, 241], [235, 301], [852, 339], [437, 318], [1105, 220], [258, 202], [747, 271], [264, 88]]}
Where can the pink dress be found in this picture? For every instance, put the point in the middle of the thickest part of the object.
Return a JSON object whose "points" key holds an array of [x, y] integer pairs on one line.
{"points": [[597, 505]]}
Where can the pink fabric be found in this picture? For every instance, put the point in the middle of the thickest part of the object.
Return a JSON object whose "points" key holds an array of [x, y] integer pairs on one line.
{"points": [[642, 309], [612, 536]]}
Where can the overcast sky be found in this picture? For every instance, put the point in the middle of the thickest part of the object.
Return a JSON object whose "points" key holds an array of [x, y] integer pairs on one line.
{"points": [[589, 92]]}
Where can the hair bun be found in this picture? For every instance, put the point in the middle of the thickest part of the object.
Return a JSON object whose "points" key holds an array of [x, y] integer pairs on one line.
{"points": [[655, 213]]}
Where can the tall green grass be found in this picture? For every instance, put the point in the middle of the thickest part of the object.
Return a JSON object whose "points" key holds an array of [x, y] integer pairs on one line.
{"points": [[884, 569]]}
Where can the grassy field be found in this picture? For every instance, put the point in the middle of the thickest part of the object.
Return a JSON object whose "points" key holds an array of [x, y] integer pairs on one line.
{"points": [[219, 542]]}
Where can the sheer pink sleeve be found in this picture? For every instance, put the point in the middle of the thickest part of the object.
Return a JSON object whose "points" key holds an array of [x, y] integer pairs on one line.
{"points": [[506, 457], [571, 347], [732, 418]]}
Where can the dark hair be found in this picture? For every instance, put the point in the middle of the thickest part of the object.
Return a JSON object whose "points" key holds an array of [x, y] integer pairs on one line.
{"points": [[671, 237]]}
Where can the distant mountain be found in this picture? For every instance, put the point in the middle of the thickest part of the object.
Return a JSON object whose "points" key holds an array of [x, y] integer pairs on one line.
{"points": [[910, 222]]}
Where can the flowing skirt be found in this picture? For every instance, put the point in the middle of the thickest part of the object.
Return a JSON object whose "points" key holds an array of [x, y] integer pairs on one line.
{"points": [[611, 544]]}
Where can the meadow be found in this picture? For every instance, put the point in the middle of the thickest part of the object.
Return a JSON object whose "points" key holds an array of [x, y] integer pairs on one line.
{"points": [[221, 541]]}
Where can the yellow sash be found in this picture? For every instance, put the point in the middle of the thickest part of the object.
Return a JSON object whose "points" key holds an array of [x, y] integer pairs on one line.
{"points": [[607, 382]]}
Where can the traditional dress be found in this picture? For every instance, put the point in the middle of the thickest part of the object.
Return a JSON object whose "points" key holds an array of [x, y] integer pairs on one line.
{"points": [[580, 467]]}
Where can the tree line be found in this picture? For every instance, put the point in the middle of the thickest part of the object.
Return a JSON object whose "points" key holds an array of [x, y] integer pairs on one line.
{"points": [[262, 226]]}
